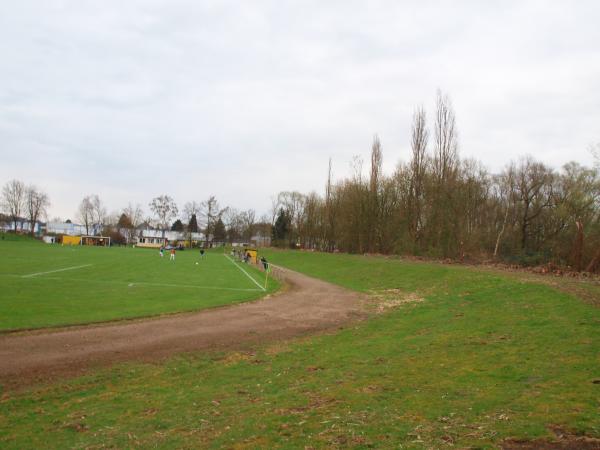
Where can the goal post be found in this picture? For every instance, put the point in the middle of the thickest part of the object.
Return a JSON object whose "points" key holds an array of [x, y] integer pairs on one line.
{"points": [[99, 241]]}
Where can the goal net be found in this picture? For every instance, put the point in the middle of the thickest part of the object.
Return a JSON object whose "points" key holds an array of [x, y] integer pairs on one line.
{"points": [[102, 241]]}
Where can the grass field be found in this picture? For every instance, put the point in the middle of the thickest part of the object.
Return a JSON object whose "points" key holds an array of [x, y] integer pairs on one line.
{"points": [[51, 285], [481, 358]]}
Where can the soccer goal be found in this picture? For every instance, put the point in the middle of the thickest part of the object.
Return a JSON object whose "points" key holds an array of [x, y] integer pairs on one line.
{"points": [[101, 241]]}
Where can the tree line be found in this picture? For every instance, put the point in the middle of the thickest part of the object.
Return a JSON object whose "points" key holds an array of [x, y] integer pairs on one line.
{"points": [[435, 205], [439, 205], [20, 201], [222, 224]]}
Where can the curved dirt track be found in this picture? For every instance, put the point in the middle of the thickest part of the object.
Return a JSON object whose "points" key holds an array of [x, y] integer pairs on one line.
{"points": [[307, 305]]}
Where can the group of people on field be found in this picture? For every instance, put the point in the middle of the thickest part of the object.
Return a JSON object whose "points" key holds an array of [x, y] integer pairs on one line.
{"points": [[172, 253], [244, 256]]}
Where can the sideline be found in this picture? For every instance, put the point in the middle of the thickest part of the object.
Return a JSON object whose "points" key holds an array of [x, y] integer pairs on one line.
{"points": [[246, 273], [57, 270]]}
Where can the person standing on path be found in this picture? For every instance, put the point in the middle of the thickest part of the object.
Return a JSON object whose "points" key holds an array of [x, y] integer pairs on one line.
{"points": [[264, 262]]}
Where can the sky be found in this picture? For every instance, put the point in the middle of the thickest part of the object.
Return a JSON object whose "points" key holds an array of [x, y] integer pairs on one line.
{"points": [[242, 100]]}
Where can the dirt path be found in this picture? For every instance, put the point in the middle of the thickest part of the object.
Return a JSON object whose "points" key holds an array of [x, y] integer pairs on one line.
{"points": [[308, 305]]}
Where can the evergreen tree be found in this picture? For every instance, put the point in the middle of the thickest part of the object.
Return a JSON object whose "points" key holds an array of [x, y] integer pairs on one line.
{"points": [[177, 226], [219, 232], [124, 221], [281, 228], [193, 225]]}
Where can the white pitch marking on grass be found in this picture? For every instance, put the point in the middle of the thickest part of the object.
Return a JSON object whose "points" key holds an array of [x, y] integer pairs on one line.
{"points": [[150, 284], [246, 273], [54, 271], [218, 288]]}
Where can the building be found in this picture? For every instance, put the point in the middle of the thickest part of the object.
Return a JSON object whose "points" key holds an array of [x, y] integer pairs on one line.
{"points": [[261, 240], [154, 238], [72, 229], [22, 226]]}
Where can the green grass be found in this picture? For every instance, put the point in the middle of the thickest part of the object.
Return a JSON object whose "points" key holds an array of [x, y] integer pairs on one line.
{"points": [[104, 284], [16, 237], [482, 358]]}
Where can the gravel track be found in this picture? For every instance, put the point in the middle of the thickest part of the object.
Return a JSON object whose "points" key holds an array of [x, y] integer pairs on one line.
{"points": [[305, 306]]}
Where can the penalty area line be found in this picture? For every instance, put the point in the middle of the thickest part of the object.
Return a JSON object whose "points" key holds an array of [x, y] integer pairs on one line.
{"points": [[151, 284], [54, 271], [246, 273]]}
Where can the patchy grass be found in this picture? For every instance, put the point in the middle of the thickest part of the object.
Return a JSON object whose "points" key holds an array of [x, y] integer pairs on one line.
{"points": [[478, 359], [51, 285]]}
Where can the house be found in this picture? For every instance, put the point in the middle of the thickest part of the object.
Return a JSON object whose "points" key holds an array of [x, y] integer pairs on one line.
{"points": [[261, 240], [151, 237], [72, 229], [22, 225]]}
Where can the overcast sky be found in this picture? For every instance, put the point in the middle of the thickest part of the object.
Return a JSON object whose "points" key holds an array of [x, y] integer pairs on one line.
{"points": [[241, 100]]}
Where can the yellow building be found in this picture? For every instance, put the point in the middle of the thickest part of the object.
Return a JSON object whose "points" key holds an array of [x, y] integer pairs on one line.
{"points": [[71, 240], [253, 254]]}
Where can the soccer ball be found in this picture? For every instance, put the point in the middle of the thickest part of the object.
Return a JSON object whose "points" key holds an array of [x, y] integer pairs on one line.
{"points": [[196, 262]]}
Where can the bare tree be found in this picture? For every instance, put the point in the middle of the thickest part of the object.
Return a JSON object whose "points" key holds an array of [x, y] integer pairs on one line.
{"points": [[233, 224], [440, 205], [248, 218], [293, 204], [190, 209], [36, 203], [275, 205], [329, 220], [98, 211], [135, 214], [446, 140], [125, 227], [373, 213], [576, 196], [505, 186], [210, 212], [131, 217], [85, 213], [165, 209], [444, 230], [418, 167], [534, 191], [376, 162], [311, 236], [13, 200]]}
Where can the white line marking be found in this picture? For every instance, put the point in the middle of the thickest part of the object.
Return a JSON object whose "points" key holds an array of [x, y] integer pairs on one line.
{"points": [[144, 283], [246, 273], [53, 271], [198, 287]]}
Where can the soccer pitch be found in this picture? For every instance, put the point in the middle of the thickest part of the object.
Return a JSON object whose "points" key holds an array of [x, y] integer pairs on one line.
{"points": [[51, 285]]}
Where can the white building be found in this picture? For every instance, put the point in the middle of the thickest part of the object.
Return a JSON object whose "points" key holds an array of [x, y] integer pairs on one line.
{"points": [[153, 238], [72, 229], [22, 226]]}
